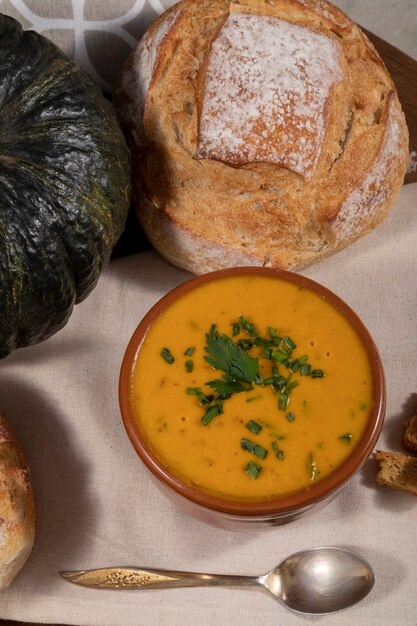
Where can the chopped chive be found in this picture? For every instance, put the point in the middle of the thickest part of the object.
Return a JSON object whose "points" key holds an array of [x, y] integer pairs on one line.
{"points": [[211, 412], [303, 359], [290, 386], [245, 344], [167, 356], [346, 437], [254, 427], [363, 405], [294, 366], [253, 469], [247, 444], [283, 400], [262, 343], [202, 397], [254, 448], [280, 454], [189, 366], [289, 342], [278, 383], [213, 330], [317, 374], [273, 334], [290, 416], [259, 379], [312, 466], [279, 356], [260, 452], [235, 329], [250, 328], [189, 351], [305, 370], [253, 398]]}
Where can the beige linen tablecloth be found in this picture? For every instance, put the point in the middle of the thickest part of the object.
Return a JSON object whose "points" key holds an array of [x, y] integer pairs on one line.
{"points": [[97, 506]]}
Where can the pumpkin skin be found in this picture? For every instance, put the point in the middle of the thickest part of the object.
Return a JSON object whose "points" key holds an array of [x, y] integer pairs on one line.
{"points": [[64, 186]]}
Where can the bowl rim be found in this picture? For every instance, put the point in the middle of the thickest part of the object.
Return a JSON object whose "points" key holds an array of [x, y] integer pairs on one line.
{"points": [[287, 503]]}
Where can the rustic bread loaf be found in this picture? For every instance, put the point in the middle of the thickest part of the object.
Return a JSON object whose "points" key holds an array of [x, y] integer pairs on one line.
{"points": [[410, 434], [17, 509], [263, 132], [397, 470]]}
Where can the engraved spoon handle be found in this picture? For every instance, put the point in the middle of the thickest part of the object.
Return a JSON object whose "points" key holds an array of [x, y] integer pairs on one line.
{"points": [[135, 578]]}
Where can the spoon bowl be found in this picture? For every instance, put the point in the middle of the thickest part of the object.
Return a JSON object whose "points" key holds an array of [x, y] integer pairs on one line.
{"points": [[320, 580], [315, 581]]}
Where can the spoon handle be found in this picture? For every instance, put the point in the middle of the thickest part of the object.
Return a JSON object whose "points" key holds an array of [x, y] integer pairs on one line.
{"points": [[138, 578]]}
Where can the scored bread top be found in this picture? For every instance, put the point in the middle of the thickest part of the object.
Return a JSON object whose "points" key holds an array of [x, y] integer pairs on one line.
{"points": [[263, 132], [266, 93]]}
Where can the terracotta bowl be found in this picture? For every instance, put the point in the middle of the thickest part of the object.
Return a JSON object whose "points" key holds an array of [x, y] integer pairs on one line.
{"points": [[252, 515]]}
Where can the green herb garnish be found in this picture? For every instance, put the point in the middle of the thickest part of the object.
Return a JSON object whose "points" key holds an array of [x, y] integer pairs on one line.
{"points": [[211, 412], [254, 448], [317, 374], [253, 469], [240, 372], [280, 356], [167, 356], [280, 454], [224, 354], [254, 427], [245, 344], [346, 437], [289, 342], [226, 385], [283, 400], [203, 398], [250, 328], [312, 467]]}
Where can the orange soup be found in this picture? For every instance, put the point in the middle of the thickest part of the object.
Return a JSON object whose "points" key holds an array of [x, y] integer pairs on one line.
{"points": [[251, 387]]}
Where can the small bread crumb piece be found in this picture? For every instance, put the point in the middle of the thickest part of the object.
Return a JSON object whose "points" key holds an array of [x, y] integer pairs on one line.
{"points": [[410, 434], [397, 471]]}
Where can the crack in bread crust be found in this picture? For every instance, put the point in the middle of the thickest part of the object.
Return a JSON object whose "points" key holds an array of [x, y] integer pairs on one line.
{"points": [[205, 206]]}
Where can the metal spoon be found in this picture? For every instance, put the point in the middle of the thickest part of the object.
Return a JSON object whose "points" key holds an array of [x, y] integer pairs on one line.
{"points": [[316, 581]]}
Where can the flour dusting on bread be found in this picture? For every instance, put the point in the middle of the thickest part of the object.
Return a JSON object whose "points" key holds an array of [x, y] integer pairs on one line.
{"points": [[367, 198], [266, 93], [137, 77]]}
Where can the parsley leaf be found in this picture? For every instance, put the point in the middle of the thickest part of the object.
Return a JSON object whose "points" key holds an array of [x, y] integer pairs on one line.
{"points": [[226, 386], [224, 354]]}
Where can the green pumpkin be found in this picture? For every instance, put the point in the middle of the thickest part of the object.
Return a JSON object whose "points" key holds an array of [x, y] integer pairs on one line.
{"points": [[64, 186]]}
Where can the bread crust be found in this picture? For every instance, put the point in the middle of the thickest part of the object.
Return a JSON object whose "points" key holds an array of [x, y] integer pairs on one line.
{"points": [[213, 195], [397, 471], [410, 434], [17, 508]]}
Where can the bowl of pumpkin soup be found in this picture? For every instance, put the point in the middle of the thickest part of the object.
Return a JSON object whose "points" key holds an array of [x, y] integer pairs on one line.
{"points": [[252, 396]]}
